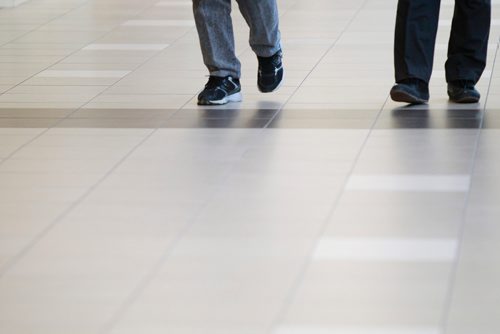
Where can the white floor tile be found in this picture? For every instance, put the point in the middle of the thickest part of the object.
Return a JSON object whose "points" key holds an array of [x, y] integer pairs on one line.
{"points": [[174, 4], [159, 23], [361, 330], [126, 208], [81, 74], [128, 47], [420, 183], [374, 249]]}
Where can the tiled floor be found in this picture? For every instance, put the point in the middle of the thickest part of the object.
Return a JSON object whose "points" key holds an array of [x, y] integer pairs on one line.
{"points": [[323, 208]]}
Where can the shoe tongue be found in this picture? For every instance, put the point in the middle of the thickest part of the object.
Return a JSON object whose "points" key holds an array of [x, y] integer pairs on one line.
{"points": [[269, 63], [214, 82]]}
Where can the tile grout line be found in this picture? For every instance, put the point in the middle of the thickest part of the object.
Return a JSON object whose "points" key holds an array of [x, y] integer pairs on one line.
{"points": [[34, 241], [29, 32], [62, 119], [11, 263], [301, 275], [138, 67], [57, 62], [280, 317], [145, 281], [41, 25], [243, 52], [334, 44], [75, 51], [309, 261], [32, 140], [491, 77], [463, 223], [5, 268]]}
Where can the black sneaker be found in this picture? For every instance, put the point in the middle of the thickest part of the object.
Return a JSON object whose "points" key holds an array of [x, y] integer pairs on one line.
{"points": [[413, 91], [271, 71], [219, 91], [463, 91]]}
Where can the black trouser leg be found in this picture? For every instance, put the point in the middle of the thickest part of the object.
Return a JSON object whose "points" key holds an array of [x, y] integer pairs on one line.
{"points": [[468, 45], [415, 38]]}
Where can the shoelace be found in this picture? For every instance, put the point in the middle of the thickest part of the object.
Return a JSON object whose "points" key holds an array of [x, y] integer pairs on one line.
{"points": [[214, 82], [270, 63], [226, 84]]}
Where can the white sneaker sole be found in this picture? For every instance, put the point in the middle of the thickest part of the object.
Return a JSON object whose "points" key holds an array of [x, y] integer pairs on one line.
{"points": [[238, 97]]}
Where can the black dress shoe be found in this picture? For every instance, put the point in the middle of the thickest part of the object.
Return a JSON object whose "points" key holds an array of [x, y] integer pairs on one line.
{"points": [[413, 91], [463, 91]]}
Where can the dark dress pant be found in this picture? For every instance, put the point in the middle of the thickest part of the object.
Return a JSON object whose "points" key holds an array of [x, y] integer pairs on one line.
{"points": [[416, 28]]}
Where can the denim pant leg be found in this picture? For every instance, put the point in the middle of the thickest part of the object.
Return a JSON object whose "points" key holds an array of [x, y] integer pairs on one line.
{"points": [[263, 19], [215, 30]]}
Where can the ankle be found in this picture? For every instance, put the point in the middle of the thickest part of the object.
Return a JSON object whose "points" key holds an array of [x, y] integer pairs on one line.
{"points": [[463, 83], [417, 81]]}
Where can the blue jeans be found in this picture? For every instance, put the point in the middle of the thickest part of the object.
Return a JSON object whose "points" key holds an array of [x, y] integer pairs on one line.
{"points": [[215, 29]]}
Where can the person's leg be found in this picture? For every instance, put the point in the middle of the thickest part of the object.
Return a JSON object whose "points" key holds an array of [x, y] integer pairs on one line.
{"points": [[263, 20], [468, 44], [215, 29], [415, 37]]}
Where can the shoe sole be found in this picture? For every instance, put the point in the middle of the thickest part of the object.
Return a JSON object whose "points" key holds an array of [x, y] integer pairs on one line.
{"points": [[465, 100], [237, 97], [399, 96]]}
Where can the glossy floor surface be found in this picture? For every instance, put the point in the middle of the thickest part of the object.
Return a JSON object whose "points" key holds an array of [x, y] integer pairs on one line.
{"points": [[323, 208]]}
